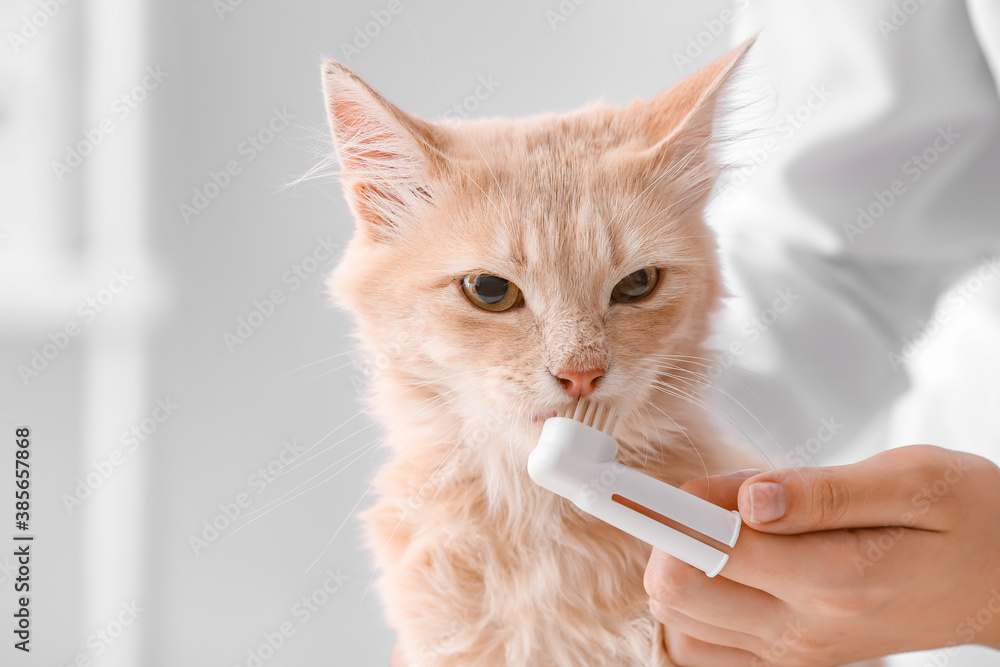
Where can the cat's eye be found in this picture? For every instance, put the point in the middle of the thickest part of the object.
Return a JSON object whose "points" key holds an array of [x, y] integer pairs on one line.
{"points": [[491, 292], [636, 286]]}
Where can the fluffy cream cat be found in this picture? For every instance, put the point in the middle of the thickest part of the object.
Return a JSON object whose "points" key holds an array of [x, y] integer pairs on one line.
{"points": [[507, 267]]}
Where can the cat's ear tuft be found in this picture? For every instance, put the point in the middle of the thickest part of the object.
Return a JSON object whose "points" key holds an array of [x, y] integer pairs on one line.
{"points": [[683, 122], [386, 156]]}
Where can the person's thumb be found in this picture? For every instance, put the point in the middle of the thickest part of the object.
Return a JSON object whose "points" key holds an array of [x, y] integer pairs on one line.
{"points": [[885, 490]]}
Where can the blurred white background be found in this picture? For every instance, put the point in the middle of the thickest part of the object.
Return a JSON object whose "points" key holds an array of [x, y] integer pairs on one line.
{"points": [[164, 326]]}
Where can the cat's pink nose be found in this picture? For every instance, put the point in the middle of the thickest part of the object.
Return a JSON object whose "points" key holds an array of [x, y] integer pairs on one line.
{"points": [[580, 383]]}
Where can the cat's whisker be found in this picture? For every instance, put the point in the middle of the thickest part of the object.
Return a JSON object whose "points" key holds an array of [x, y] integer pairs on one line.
{"points": [[707, 362], [683, 431], [341, 526], [676, 392], [687, 373], [645, 435], [353, 362], [287, 497], [299, 461], [735, 379], [698, 373], [703, 361], [759, 449], [313, 363], [679, 393], [251, 518], [398, 523], [253, 515], [446, 377], [671, 390], [686, 365], [411, 388], [702, 376], [734, 367], [692, 384], [696, 376], [332, 370], [364, 411], [693, 379], [708, 383]]}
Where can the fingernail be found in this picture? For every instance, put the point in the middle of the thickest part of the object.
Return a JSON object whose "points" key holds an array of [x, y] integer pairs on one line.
{"points": [[743, 474], [768, 502]]}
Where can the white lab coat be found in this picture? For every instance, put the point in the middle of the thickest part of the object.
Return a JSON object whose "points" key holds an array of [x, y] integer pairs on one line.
{"points": [[861, 231]]}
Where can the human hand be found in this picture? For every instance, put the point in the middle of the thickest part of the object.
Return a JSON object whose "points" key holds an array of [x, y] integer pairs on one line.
{"points": [[899, 552]]}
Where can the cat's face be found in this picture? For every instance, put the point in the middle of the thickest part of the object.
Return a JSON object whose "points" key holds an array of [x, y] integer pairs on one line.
{"points": [[516, 264]]}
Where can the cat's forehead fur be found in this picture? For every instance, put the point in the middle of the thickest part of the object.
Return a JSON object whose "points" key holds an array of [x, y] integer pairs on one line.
{"points": [[568, 197]]}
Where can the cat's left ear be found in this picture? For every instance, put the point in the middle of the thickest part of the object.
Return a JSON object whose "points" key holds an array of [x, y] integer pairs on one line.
{"points": [[386, 155], [683, 121]]}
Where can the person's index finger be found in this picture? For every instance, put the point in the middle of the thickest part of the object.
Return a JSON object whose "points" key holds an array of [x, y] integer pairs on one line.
{"points": [[900, 487], [796, 566], [774, 563]]}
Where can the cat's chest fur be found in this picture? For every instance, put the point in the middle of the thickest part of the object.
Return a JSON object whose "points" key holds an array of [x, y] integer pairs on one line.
{"points": [[523, 579]]}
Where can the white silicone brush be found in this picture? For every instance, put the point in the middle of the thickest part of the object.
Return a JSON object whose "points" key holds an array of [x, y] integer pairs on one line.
{"points": [[575, 458]]}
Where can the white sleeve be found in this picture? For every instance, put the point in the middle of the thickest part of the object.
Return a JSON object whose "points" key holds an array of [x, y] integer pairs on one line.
{"points": [[870, 186]]}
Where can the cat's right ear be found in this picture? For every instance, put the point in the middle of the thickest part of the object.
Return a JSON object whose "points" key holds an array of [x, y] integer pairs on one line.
{"points": [[386, 156]]}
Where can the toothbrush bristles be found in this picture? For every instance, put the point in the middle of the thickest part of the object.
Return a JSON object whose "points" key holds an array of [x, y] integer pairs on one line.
{"points": [[591, 413]]}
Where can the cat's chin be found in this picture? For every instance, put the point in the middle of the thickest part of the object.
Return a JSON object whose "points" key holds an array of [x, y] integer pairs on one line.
{"points": [[525, 431]]}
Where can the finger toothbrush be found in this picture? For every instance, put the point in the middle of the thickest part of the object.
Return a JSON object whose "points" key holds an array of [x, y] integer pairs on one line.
{"points": [[575, 458]]}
